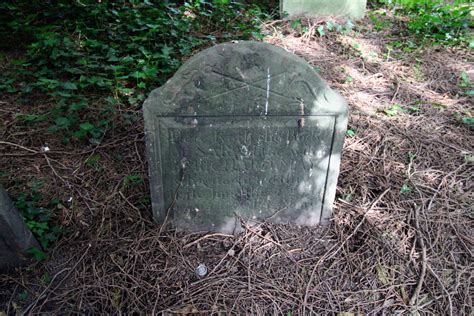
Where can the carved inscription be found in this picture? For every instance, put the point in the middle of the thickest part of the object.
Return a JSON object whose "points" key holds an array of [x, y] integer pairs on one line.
{"points": [[252, 166]]}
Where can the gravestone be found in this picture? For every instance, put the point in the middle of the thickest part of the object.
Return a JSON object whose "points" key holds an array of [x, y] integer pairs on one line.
{"points": [[244, 129], [15, 237], [349, 8]]}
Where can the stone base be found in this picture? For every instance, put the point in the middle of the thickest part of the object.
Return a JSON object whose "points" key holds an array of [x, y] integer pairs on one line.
{"points": [[350, 8]]}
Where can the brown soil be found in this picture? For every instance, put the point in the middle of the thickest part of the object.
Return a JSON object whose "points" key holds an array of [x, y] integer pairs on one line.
{"points": [[387, 250]]}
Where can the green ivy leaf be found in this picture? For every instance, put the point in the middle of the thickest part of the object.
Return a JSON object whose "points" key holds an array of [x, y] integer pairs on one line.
{"points": [[63, 122], [350, 133], [81, 134], [23, 296], [405, 189], [87, 126], [70, 86], [78, 106], [296, 24], [468, 121], [37, 254], [321, 31], [393, 110]]}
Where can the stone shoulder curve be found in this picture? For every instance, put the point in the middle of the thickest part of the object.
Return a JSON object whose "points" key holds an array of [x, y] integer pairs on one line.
{"points": [[220, 78]]}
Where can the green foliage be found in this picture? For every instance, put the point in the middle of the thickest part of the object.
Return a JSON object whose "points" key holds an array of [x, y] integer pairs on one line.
{"points": [[465, 118], [324, 29], [23, 296], [30, 118], [443, 23], [397, 109], [131, 180], [435, 20], [93, 161], [37, 254], [468, 121], [321, 31], [405, 189], [464, 82], [348, 79], [416, 3], [379, 22], [393, 110], [296, 24], [351, 133], [336, 27], [85, 54], [46, 278], [40, 220]]}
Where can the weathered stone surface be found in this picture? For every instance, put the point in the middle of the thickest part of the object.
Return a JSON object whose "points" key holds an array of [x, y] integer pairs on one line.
{"points": [[244, 128], [350, 8], [15, 237]]}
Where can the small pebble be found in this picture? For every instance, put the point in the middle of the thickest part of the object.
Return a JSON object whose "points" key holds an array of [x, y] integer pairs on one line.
{"points": [[201, 270]]}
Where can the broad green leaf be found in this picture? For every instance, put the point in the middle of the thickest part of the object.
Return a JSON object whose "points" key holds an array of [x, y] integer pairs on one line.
{"points": [[77, 106], [405, 189], [321, 31], [70, 86], [350, 133], [296, 24], [62, 121], [87, 126], [38, 254]]}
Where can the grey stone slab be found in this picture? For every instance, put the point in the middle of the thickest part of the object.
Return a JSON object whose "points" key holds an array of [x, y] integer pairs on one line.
{"points": [[244, 128], [15, 237], [350, 8]]}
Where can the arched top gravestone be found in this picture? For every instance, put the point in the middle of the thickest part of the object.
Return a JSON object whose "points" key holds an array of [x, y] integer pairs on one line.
{"points": [[244, 129]]}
